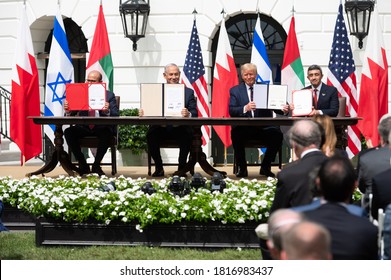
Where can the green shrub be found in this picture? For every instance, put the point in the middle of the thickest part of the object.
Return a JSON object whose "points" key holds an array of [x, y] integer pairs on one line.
{"points": [[132, 137]]}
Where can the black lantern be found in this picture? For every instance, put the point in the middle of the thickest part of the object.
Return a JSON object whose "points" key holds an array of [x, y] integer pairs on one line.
{"points": [[359, 16], [134, 15]]}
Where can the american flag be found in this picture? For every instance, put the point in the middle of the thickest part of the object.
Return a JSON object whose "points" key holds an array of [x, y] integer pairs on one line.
{"points": [[194, 71], [341, 75]]}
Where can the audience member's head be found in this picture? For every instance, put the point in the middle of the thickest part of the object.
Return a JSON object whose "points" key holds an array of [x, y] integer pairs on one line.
{"points": [[384, 129], [279, 222], [306, 241], [330, 138], [337, 179], [304, 135]]}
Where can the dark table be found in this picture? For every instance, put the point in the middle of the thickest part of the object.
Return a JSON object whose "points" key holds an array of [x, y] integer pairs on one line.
{"points": [[196, 153]]}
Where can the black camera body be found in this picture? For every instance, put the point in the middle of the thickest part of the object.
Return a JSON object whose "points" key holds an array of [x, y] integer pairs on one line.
{"points": [[197, 181], [217, 182], [178, 186], [147, 188]]}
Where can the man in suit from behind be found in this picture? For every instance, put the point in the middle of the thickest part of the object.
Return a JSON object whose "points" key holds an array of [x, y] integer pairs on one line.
{"points": [[381, 187], [376, 160], [353, 237], [326, 101], [294, 181], [183, 134], [242, 105]]}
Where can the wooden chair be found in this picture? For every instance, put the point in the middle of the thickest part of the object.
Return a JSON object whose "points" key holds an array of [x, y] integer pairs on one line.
{"points": [[255, 144], [92, 142], [342, 107]]}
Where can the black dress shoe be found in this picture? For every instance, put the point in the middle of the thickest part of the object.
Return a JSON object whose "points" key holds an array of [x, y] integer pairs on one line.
{"points": [[83, 170], [242, 172], [158, 172], [98, 170], [266, 173]]}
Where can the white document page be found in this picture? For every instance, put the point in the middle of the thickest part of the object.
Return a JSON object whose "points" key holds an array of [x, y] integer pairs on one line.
{"points": [[277, 96], [174, 99], [151, 99], [260, 96], [96, 96], [302, 100]]}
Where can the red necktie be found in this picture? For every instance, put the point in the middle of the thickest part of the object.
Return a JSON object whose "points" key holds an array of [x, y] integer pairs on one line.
{"points": [[91, 113], [315, 97]]}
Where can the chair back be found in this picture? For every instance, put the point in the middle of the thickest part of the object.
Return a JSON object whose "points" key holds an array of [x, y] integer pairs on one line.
{"points": [[342, 107]]}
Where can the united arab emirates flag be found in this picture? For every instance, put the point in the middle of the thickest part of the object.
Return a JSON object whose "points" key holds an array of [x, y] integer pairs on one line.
{"points": [[100, 54]]}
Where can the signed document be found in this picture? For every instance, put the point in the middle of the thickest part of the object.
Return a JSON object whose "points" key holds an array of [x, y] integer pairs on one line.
{"points": [[86, 96], [277, 96], [162, 100], [302, 100], [174, 99], [270, 96]]}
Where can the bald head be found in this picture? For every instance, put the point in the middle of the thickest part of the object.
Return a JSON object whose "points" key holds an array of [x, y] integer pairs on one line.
{"points": [[307, 241]]}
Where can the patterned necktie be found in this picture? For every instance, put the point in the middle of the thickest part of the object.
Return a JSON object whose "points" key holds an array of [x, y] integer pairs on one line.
{"points": [[251, 94], [315, 98]]}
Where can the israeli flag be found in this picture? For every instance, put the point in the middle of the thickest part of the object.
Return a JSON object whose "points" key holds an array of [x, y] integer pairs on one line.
{"points": [[59, 73], [259, 56]]}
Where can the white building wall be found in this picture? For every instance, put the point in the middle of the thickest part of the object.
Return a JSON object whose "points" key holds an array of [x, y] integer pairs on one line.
{"points": [[168, 34]]}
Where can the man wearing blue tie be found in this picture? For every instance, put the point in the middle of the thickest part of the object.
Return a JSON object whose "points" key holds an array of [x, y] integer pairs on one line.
{"points": [[242, 105]]}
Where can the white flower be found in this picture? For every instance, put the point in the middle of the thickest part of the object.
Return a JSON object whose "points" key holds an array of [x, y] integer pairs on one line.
{"points": [[183, 215]]}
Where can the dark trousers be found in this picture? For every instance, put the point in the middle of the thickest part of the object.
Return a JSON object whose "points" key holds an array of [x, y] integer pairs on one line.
{"points": [[183, 135], [74, 133], [270, 137]]}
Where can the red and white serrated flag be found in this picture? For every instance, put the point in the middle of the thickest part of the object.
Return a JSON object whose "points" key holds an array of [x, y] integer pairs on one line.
{"points": [[224, 77], [373, 99], [25, 95]]}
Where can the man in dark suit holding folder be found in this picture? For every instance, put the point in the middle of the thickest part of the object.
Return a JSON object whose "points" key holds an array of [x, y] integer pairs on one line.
{"points": [[182, 134], [103, 132], [241, 104]]}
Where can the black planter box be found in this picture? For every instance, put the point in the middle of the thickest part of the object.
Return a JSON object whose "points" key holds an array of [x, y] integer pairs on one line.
{"points": [[197, 235], [16, 219]]}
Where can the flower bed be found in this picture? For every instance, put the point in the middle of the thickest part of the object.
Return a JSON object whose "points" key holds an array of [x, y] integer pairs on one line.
{"points": [[76, 200]]}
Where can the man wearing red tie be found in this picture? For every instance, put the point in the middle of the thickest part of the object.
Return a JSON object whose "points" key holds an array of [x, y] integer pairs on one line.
{"points": [[325, 97]]}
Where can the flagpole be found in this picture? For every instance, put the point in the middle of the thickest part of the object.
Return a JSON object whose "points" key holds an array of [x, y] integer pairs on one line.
{"points": [[225, 156]]}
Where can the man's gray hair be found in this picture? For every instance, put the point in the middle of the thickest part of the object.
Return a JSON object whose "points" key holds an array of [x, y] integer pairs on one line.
{"points": [[305, 133], [384, 128], [170, 65]]}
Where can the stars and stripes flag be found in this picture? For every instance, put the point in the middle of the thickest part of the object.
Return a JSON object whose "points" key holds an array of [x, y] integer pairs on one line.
{"points": [[341, 74], [100, 54], [224, 77], [259, 56], [25, 95], [373, 101], [59, 73], [194, 78]]}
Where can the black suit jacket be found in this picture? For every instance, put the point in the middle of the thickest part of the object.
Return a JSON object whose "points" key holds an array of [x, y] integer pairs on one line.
{"points": [[328, 101], [293, 185], [381, 189], [239, 99], [352, 237], [114, 111]]}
